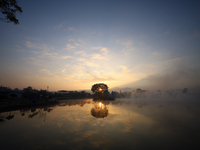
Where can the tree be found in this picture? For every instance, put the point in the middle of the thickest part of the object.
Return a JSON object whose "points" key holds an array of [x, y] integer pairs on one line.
{"points": [[9, 9], [100, 87], [100, 90], [13, 95]]}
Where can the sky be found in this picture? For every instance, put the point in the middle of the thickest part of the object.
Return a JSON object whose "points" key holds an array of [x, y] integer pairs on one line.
{"points": [[71, 45]]}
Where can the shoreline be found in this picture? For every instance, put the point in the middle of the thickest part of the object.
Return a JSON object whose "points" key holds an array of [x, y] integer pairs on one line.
{"points": [[14, 107]]}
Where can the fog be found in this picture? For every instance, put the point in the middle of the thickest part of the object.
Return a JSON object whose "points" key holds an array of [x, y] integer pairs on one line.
{"points": [[177, 77]]}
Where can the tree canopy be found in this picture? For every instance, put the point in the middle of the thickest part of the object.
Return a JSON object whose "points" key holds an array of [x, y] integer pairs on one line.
{"points": [[100, 91], [9, 8], [99, 88]]}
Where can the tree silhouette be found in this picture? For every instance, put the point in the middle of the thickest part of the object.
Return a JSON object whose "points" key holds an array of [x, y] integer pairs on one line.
{"points": [[9, 9], [100, 87], [100, 90]]}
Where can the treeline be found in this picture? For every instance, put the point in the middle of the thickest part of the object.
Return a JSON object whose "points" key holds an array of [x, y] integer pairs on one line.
{"points": [[32, 94]]}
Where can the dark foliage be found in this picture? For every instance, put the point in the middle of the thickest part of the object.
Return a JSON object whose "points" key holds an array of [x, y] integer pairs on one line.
{"points": [[100, 87], [9, 8], [100, 90]]}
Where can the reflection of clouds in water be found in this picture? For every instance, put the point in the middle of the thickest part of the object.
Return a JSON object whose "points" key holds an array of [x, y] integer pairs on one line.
{"points": [[59, 125], [89, 134], [126, 125], [59, 143]]}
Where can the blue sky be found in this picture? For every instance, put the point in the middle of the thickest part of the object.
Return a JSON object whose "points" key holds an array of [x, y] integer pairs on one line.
{"points": [[72, 45]]}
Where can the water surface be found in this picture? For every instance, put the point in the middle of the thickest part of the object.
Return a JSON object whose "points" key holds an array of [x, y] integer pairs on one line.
{"points": [[138, 123]]}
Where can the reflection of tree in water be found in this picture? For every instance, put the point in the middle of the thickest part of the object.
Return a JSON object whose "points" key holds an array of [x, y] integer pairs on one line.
{"points": [[9, 117], [41, 112], [32, 115], [2, 120], [99, 110]]}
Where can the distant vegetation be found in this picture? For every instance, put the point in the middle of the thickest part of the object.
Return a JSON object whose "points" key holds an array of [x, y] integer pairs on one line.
{"points": [[99, 91]]}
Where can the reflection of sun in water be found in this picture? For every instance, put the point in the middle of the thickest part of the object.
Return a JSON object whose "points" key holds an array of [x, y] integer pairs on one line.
{"points": [[99, 110]]}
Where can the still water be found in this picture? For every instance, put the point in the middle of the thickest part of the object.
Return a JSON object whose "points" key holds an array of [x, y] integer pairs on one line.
{"points": [[120, 124]]}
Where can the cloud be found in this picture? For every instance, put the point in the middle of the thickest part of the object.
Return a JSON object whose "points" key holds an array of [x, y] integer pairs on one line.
{"points": [[124, 69], [69, 47], [97, 56], [89, 63], [41, 49], [34, 61], [175, 60], [128, 46], [66, 57], [156, 53], [59, 26], [71, 40], [63, 71], [87, 77], [70, 28], [46, 71], [173, 78], [86, 62], [38, 46], [34, 52], [80, 52], [95, 78], [51, 54], [30, 45], [104, 50]]}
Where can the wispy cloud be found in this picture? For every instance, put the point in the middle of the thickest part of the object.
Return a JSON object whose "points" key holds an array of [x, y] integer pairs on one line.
{"points": [[71, 40], [46, 71], [128, 46], [63, 71], [59, 26], [97, 56], [70, 28], [174, 60], [38, 46], [156, 53], [76, 44], [69, 47], [34, 61], [66, 57], [104, 50], [34, 52], [51, 54], [125, 69], [81, 53], [86, 62]]}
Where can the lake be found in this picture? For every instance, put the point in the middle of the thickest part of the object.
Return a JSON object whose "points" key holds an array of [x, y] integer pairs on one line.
{"points": [[137, 123]]}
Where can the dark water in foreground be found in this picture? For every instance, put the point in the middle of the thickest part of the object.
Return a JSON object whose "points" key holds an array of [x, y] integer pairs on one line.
{"points": [[121, 124]]}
